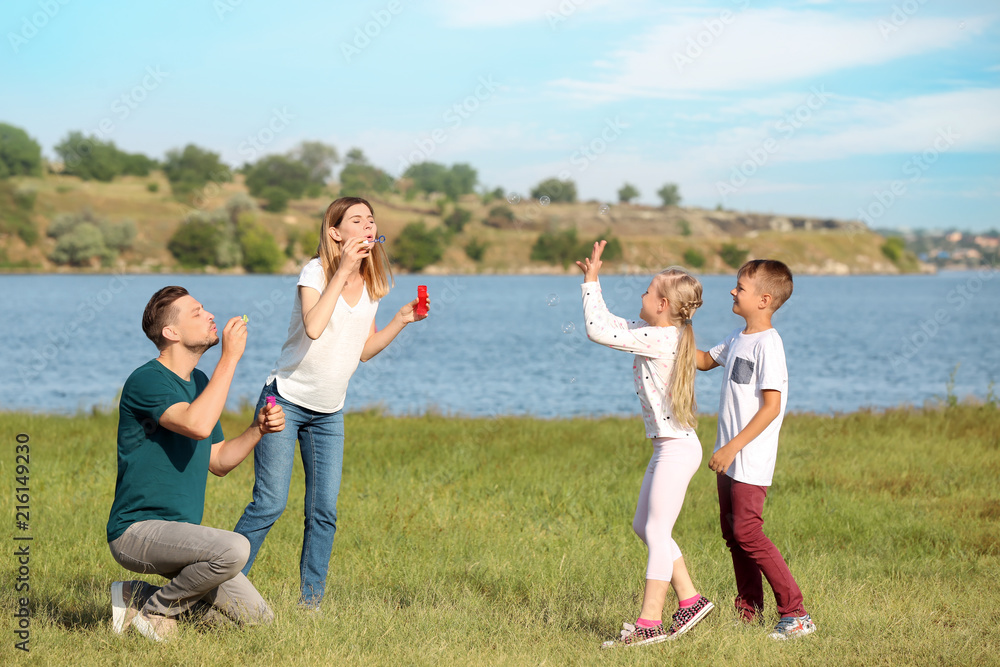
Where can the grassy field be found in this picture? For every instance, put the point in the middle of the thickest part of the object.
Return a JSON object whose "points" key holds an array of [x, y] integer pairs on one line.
{"points": [[508, 542]]}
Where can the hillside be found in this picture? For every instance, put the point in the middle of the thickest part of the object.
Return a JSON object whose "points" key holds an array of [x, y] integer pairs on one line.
{"points": [[651, 237]]}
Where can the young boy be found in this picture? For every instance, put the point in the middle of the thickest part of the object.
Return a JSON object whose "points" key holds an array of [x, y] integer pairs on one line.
{"points": [[751, 409]]}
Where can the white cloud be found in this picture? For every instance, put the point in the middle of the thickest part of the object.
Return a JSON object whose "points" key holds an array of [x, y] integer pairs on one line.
{"points": [[733, 50]]}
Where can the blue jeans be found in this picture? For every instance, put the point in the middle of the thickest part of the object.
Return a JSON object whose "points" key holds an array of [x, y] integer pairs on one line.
{"points": [[321, 439]]}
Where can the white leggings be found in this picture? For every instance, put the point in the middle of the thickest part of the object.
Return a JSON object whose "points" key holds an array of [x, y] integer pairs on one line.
{"points": [[670, 469]]}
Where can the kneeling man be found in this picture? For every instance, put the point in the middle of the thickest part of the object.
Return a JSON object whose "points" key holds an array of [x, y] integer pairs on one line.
{"points": [[169, 438]]}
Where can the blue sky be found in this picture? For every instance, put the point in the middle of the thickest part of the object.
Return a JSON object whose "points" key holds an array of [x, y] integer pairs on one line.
{"points": [[888, 111]]}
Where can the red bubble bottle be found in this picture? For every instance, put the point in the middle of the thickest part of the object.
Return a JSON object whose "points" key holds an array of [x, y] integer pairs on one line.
{"points": [[421, 301]]}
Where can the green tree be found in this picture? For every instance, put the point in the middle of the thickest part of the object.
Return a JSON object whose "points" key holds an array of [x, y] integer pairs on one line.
{"points": [[119, 236], [261, 253], [500, 216], [75, 239], [669, 194], [362, 180], [192, 168], [277, 199], [20, 155], [476, 249], [894, 248], [694, 259], [431, 177], [555, 190], [733, 255], [355, 156], [457, 219], [460, 180], [136, 164], [15, 218], [89, 157], [627, 193], [427, 177], [194, 243], [417, 247], [318, 159], [80, 246], [556, 247], [277, 171]]}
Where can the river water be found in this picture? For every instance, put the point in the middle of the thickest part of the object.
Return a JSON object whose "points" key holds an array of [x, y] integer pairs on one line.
{"points": [[515, 345]]}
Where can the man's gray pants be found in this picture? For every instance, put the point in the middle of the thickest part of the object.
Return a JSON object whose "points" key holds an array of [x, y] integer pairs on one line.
{"points": [[203, 565]]}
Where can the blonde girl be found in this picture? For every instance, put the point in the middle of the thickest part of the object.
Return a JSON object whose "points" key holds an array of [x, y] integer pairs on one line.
{"points": [[664, 368]]}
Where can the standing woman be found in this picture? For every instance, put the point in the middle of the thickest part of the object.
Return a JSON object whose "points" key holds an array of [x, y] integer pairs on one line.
{"points": [[331, 329]]}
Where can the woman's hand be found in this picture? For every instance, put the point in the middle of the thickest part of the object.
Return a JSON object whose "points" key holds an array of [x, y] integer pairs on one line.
{"points": [[408, 313], [352, 251], [592, 266]]}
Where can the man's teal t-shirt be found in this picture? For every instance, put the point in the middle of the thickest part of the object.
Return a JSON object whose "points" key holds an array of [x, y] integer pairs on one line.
{"points": [[161, 474]]}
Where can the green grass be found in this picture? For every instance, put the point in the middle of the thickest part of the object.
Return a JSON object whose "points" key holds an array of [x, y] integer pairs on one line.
{"points": [[477, 541]]}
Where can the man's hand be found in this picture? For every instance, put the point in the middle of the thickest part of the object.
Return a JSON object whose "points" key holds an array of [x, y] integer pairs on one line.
{"points": [[592, 266], [234, 339], [722, 459], [270, 419]]}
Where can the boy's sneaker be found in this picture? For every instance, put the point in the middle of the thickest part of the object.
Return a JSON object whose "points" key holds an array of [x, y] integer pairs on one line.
{"points": [[790, 627], [686, 618], [124, 606], [633, 636]]}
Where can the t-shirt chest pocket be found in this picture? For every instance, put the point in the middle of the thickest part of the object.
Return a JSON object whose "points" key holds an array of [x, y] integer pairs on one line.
{"points": [[742, 371]]}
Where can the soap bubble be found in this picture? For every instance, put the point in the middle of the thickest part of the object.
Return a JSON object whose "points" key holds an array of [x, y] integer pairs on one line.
{"points": [[544, 200], [568, 328], [552, 299], [513, 198], [604, 210]]}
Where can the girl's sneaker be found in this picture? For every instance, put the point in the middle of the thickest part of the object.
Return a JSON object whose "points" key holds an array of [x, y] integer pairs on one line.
{"points": [[686, 618], [633, 636], [790, 627]]}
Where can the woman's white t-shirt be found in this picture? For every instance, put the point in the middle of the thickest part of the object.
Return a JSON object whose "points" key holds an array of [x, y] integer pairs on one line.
{"points": [[314, 373]]}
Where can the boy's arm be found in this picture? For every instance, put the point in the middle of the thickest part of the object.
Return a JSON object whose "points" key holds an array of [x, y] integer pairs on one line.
{"points": [[704, 360], [769, 409]]}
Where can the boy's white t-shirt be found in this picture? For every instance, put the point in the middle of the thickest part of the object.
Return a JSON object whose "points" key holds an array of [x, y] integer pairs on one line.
{"points": [[314, 373], [754, 362], [655, 350]]}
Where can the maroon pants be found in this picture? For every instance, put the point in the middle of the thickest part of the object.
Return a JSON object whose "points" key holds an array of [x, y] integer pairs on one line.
{"points": [[740, 509]]}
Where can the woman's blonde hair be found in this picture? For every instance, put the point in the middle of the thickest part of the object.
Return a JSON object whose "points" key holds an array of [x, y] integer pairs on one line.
{"points": [[375, 268], [683, 293]]}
